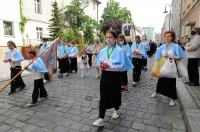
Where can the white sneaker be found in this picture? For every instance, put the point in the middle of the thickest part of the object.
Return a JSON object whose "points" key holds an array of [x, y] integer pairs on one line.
{"points": [[153, 95], [134, 83], [81, 76], [97, 76], [116, 114], [172, 103], [98, 122], [45, 81]]}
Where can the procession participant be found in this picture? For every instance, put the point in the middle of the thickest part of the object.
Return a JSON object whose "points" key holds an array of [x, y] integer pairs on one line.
{"points": [[145, 42], [138, 51], [167, 86], [126, 48], [73, 57], [112, 61], [84, 66], [43, 46], [14, 58], [63, 61], [38, 69]]}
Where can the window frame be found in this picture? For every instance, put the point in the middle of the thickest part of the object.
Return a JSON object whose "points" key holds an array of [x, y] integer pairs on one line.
{"points": [[39, 33], [12, 29], [37, 6]]}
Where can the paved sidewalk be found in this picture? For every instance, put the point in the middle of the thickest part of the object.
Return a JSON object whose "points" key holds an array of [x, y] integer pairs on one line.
{"points": [[73, 106], [5, 70], [190, 104]]}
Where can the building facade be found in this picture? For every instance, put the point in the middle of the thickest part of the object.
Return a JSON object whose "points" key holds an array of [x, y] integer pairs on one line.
{"points": [[176, 17], [9, 22], [190, 16], [157, 38], [38, 13], [149, 32], [166, 26]]}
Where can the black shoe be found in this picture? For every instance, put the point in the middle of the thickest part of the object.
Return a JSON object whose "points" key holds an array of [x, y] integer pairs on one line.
{"points": [[44, 98], [193, 84], [187, 82], [12, 92], [22, 87], [75, 71]]}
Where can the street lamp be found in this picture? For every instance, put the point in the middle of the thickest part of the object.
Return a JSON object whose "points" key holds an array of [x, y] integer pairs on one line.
{"points": [[165, 11]]}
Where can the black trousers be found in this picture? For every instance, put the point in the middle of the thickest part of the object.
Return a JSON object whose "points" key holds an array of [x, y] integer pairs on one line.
{"points": [[193, 71], [110, 93], [63, 65], [38, 89], [90, 59], [144, 62], [137, 62], [18, 82], [124, 78], [73, 64]]}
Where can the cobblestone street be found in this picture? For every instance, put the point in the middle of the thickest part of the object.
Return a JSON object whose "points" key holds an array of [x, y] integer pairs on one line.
{"points": [[73, 106]]}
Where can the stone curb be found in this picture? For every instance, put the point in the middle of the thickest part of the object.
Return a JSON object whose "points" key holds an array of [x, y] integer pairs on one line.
{"points": [[189, 107]]}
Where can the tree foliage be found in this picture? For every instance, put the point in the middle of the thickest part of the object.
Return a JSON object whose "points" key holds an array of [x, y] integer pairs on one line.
{"points": [[113, 16], [113, 11], [78, 20], [56, 22]]}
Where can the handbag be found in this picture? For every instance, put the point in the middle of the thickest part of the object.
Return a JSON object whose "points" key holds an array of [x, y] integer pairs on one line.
{"points": [[169, 69], [157, 65]]}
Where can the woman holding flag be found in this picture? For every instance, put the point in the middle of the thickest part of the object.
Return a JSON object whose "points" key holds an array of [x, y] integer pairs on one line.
{"points": [[14, 58]]}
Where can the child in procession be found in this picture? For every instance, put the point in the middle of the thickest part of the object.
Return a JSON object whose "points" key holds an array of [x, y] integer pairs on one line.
{"points": [[84, 66], [38, 69]]}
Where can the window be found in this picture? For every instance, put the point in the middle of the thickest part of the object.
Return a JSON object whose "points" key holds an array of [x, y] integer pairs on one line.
{"points": [[37, 4], [39, 32], [8, 28]]}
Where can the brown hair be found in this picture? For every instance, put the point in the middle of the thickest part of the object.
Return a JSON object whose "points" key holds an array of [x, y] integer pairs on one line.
{"points": [[12, 43], [114, 34], [198, 30], [33, 52], [138, 37], [172, 33], [121, 36]]}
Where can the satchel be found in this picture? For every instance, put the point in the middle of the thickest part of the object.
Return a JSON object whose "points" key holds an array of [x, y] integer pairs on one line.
{"points": [[169, 69]]}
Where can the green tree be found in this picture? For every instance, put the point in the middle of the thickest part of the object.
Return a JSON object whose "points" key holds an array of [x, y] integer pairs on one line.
{"points": [[56, 22], [23, 20], [113, 11], [74, 14]]}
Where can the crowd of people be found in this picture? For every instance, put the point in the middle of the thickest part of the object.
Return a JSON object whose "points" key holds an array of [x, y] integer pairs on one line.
{"points": [[112, 62]]}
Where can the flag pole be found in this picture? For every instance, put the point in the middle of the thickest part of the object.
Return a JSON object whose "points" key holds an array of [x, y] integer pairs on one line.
{"points": [[4, 87]]}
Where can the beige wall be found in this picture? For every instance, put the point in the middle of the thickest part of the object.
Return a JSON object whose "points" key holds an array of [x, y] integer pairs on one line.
{"points": [[190, 15]]}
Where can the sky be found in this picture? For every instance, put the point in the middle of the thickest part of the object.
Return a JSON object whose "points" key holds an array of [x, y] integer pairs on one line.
{"points": [[144, 12]]}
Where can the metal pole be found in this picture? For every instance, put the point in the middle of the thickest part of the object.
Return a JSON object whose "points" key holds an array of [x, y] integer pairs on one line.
{"points": [[170, 18]]}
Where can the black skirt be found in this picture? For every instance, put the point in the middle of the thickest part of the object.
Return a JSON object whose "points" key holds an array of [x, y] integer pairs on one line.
{"points": [[167, 87], [63, 65], [124, 78], [17, 82], [110, 89], [73, 64]]}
